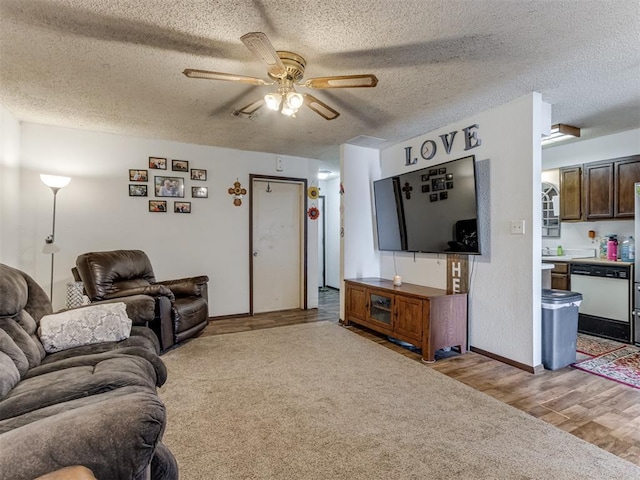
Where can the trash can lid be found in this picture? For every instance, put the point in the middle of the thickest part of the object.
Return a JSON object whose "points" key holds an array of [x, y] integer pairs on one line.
{"points": [[560, 296]]}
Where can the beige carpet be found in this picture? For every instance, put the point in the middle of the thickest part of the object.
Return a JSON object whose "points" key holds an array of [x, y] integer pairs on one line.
{"points": [[316, 401]]}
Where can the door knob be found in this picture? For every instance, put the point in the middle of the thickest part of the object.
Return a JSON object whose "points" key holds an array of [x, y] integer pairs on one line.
{"points": [[255, 254]]}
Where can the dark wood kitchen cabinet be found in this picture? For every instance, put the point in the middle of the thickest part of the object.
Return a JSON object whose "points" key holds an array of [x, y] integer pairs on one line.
{"points": [[599, 190], [571, 193], [627, 173], [560, 279]]}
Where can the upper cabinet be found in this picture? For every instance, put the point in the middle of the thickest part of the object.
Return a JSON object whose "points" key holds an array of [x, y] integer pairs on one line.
{"points": [[571, 193], [599, 190]]}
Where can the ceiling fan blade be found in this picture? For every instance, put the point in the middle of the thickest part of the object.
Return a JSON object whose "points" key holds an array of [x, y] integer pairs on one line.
{"points": [[321, 108], [344, 81], [262, 48], [229, 77], [251, 108]]}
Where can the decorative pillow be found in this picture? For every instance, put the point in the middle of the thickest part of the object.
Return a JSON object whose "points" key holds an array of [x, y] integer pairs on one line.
{"points": [[84, 326]]}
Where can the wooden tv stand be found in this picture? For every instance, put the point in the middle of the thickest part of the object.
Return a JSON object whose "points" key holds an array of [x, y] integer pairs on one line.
{"points": [[426, 317]]}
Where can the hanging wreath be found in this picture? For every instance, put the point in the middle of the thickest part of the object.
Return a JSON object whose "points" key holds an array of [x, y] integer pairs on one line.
{"points": [[313, 192], [313, 213]]}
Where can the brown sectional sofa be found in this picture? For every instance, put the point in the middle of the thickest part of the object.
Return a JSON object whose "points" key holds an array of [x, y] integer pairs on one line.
{"points": [[92, 405]]}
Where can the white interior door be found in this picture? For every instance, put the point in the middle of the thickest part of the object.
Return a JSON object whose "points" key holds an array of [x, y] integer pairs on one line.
{"points": [[277, 245]]}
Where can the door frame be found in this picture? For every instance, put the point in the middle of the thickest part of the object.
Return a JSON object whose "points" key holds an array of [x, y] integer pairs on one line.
{"points": [[323, 247], [303, 215]]}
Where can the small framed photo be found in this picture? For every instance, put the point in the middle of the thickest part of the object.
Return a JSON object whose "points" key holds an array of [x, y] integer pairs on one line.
{"points": [[199, 192], [449, 185], [182, 207], [180, 165], [433, 197], [425, 189], [169, 186], [444, 195], [138, 175], [158, 163], [442, 171], [137, 190], [198, 174], [157, 205], [433, 171], [449, 176]]}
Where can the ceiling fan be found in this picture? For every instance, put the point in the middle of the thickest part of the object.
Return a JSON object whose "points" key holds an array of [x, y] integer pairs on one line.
{"points": [[286, 70]]}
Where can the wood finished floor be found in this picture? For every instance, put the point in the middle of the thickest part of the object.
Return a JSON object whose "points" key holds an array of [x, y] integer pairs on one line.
{"points": [[599, 411]]}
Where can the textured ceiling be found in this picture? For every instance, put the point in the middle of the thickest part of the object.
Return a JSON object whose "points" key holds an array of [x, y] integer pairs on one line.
{"points": [[116, 66]]}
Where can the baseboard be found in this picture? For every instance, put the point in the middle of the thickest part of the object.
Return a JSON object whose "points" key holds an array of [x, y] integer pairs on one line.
{"points": [[228, 317], [508, 361]]}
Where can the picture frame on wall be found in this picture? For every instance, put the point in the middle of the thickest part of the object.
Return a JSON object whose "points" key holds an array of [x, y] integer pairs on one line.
{"points": [[200, 192], [168, 186], [198, 174], [157, 205], [158, 163], [180, 165], [182, 207], [138, 191], [138, 175]]}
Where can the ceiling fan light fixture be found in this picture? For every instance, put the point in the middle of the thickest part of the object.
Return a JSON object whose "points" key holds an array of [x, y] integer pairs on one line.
{"points": [[294, 100], [273, 101], [289, 112]]}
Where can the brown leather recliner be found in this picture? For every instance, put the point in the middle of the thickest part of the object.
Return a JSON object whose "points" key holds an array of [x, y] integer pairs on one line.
{"points": [[181, 305]]}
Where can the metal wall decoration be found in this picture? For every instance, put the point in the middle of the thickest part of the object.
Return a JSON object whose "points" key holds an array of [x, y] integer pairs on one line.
{"points": [[238, 192], [313, 212]]}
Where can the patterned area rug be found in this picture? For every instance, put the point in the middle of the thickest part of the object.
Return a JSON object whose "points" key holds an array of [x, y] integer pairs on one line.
{"points": [[594, 346], [621, 365]]}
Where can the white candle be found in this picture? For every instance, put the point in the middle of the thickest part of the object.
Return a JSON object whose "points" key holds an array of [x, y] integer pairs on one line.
{"points": [[397, 280]]}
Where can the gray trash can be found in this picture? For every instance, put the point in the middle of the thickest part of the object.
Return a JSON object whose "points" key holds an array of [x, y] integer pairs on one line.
{"points": [[559, 327]]}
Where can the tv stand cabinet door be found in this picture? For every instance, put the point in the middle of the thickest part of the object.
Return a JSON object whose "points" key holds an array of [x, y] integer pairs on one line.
{"points": [[355, 303], [409, 319]]}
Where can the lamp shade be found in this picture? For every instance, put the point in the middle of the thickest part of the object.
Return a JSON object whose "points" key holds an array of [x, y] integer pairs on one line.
{"points": [[54, 181]]}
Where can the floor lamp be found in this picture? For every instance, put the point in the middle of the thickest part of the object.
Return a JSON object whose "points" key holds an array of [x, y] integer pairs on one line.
{"points": [[55, 183]]}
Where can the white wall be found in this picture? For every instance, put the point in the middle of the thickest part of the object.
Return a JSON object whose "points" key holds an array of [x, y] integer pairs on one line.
{"points": [[9, 188], [330, 189], [575, 234], [359, 166], [504, 300], [96, 213]]}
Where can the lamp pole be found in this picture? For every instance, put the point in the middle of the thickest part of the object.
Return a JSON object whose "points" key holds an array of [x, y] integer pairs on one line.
{"points": [[55, 183], [51, 239]]}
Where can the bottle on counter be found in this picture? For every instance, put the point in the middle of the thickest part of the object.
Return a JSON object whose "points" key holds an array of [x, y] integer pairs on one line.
{"points": [[603, 247], [612, 248], [627, 253]]}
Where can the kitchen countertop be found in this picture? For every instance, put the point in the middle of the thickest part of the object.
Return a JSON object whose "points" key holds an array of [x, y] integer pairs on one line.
{"points": [[592, 260], [601, 261]]}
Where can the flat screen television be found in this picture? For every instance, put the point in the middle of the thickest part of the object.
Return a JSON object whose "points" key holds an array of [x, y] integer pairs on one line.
{"points": [[431, 210]]}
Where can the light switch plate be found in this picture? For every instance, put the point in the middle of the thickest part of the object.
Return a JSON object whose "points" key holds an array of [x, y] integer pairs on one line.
{"points": [[279, 164], [517, 227]]}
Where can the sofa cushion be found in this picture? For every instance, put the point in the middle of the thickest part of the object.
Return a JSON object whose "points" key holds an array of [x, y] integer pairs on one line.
{"points": [[13, 291], [17, 356], [84, 326], [115, 438], [9, 375], [77, 382], [22, 339]]}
